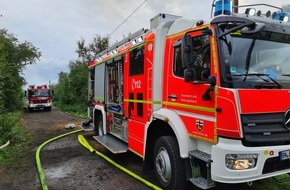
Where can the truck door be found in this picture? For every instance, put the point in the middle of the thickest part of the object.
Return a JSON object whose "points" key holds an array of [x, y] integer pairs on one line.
{"points": [[138, 94], [138, 75], [186, 98]]}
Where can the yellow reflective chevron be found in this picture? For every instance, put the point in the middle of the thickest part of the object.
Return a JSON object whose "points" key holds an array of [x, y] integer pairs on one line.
{"points": [[200, 108], [99, 98], [142, 101]]}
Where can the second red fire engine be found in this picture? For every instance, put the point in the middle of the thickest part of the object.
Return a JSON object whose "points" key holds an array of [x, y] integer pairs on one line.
{"points": [[38, 98]]}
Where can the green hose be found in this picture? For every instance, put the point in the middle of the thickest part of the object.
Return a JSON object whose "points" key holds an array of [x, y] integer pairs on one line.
{"points": [[85, 143], [37, 157]]}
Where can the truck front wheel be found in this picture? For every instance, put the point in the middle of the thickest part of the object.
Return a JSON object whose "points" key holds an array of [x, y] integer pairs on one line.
{"points": [[168, 165]]}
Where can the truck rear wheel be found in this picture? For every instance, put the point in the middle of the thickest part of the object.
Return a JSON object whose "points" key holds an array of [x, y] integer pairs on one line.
{"points": [[99, 126], [168, 165]]}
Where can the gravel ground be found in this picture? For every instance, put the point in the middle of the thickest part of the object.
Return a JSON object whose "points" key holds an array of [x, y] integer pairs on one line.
{"points": [[68, 165]]}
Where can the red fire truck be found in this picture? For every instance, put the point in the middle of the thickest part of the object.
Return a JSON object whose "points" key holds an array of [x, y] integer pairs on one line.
{"points": [[199, 101], [38, 98]]}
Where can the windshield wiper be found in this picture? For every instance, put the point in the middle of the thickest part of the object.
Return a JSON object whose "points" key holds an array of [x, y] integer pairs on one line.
{"points": [[261, 75]]}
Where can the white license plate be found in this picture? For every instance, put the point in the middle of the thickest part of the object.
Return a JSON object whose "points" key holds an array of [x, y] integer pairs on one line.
{"points": [[284, 155]]}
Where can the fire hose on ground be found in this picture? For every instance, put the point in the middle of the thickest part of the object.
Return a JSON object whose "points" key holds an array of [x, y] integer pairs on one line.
{"points": [[37, 157], [84, 142], [5, 145]]}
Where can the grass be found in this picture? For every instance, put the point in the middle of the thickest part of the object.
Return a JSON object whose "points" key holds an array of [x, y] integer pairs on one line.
{"points": [[271, 184], [11, 129], [79, 110]]}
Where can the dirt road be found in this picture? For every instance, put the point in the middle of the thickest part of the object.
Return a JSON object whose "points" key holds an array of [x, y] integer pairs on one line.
{"points": [[67, 165]]}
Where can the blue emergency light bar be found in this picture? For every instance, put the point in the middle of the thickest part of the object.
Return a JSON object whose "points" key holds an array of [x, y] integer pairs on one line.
{"points": [[281, 16], [222, 7]]}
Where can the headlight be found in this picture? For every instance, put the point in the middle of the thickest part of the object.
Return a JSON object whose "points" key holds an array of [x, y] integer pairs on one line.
{"points": [[241, 161]]}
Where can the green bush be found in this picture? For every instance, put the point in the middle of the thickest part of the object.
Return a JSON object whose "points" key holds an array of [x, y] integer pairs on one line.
{"points": [[11, 129], [14, 56], [75, 109], [7, 121]]}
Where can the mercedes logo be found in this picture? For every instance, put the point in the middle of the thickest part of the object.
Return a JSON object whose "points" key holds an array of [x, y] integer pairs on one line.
{"points": [[287, 119]]}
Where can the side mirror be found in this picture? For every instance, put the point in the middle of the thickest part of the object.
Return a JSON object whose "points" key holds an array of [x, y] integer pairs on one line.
{"points": [[52, 92], [188, 58], [212, 82], [187, 51]]}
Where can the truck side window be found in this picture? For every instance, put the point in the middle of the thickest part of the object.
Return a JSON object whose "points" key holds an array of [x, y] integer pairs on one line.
{"points": [[137, 61], [178, 68], [201, 53]]}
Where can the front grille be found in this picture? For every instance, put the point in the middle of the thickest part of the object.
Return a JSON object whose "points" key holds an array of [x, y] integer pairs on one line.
{"points": [[39, 101], [265, 130], [275, 164]]}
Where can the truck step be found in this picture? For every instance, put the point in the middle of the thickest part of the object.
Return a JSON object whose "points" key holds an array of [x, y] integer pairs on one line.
{"points": [[115, 145], [201, 169], [201, 182], [200, 155]]}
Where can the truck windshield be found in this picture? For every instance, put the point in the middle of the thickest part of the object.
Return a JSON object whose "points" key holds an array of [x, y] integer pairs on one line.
{"points": [[256, 61], [38, 93]]}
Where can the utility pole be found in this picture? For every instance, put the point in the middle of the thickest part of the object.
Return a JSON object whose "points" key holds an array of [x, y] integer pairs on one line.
{"points": [[235, 5]]}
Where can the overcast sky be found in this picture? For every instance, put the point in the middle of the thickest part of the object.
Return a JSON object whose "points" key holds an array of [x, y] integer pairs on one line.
{"points": [[55, 26]]}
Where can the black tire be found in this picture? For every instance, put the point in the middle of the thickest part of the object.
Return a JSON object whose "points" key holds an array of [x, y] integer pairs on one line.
{"points": [[169, 167], [99, 126]]}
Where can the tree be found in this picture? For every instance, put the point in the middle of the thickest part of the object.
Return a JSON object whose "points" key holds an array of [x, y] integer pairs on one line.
{"points": [[86, 53], [63, 94], [72, 88], [14, 56]]}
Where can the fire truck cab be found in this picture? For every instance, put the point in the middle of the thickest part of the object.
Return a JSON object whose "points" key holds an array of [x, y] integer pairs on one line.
{"points": [[38, 98], [199, 101]]}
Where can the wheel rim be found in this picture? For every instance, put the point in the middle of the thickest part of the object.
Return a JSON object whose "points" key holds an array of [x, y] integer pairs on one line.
{"points": [[163, 165]]}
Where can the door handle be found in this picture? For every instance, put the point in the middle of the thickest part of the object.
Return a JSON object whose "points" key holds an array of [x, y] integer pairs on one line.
{"points": [[173, 97]]}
